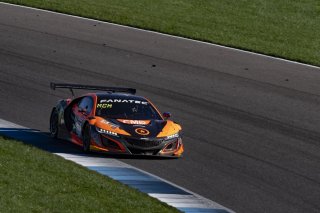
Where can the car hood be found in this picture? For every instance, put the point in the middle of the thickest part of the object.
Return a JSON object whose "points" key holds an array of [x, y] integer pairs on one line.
{"points": [[139, 128], [142, 128]]}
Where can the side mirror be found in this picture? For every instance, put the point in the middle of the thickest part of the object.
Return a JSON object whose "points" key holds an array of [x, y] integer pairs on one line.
{"points": [[92, 120], [166, 115]]}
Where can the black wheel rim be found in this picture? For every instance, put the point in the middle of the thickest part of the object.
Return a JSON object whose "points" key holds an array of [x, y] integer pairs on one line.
{"points": [[54, 124]]}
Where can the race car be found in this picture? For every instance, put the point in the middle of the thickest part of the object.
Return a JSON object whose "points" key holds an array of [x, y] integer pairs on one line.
{"points": [[114, 120]]}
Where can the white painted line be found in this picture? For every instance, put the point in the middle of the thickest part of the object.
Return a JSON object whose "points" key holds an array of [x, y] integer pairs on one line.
{"points": [[150, 184], [189, 205], [174, 201], [8, 124], [167, 35], [175, 196]]}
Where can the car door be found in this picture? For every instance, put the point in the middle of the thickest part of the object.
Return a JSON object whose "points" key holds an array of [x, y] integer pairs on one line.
{"points": [[81, 111]]}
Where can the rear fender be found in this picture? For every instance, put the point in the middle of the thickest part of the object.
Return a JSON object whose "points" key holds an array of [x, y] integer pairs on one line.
{"points": [[60, 107]]}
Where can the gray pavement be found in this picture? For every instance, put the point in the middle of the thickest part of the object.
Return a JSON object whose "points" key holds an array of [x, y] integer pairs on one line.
{"points": [[250, 122]]}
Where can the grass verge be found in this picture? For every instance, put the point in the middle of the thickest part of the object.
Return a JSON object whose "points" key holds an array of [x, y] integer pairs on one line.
{"points": [[288, 28], [32, 180]]}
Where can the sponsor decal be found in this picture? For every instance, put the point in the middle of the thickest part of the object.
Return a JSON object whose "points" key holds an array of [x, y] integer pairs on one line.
{"points": [[142, 131], [123, 101], [134, 122], [104, 106], [113, 126]]}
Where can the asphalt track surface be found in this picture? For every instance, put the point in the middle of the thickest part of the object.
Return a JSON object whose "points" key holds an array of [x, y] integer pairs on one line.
{"points": [[251, 123]]}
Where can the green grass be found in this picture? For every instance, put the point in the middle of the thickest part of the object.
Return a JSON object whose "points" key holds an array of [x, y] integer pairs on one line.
{"points": [[32, 180], [286, 28]]}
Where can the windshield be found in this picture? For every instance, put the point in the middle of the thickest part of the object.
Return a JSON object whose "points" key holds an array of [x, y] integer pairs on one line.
{"points": [[126, 109]]}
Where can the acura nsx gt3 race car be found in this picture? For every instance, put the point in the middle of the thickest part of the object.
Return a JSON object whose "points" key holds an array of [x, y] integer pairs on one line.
{"points": [[115, 120]]}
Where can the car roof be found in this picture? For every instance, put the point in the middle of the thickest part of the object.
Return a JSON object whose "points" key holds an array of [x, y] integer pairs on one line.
{"points": [[105, 95]]}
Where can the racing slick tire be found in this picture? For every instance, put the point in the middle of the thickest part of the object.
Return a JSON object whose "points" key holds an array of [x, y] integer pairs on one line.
{"points": [[86, 140], [54, 127]]}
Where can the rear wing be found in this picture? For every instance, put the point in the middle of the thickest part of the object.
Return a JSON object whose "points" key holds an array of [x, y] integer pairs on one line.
{"points": [[54, 86]]}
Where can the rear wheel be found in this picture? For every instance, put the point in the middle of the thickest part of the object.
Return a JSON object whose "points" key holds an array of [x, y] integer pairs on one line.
{"points": [[54, 127], [86, 140]]}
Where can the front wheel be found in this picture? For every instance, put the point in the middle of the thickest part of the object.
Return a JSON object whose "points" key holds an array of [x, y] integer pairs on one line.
{"points": [[86, 140], [54, 126]]}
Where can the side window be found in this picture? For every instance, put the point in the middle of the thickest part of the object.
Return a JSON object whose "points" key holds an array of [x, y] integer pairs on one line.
{"points": [[86, 104]]}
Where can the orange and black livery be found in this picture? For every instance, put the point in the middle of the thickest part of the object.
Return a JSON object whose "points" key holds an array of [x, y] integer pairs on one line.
{"points": [[114, 120]]}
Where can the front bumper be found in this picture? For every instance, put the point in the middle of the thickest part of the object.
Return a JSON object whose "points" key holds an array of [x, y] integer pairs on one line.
{"points": [[137, 146]]}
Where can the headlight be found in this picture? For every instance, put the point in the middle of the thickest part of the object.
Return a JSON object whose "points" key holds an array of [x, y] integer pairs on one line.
{"points": [[103, 131], [172, 136]]}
